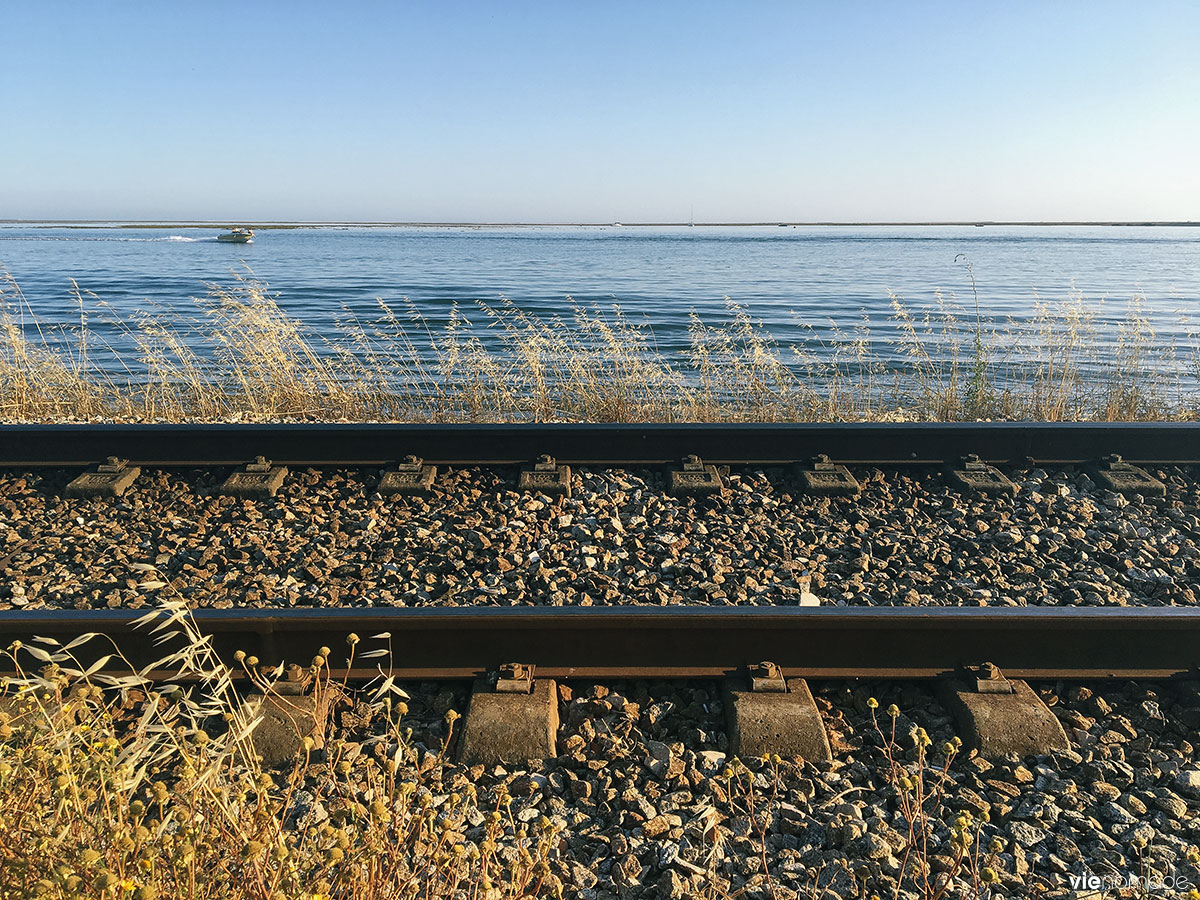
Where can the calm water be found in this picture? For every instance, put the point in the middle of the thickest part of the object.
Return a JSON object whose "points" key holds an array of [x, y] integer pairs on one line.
{"points": [[783, 275]]}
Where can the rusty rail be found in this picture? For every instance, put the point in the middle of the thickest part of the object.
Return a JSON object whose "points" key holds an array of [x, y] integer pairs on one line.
{"points": [[505, 444], [676, 642]]}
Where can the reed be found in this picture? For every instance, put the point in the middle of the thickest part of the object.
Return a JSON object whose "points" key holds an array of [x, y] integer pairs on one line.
{"points": [[242, 358]]}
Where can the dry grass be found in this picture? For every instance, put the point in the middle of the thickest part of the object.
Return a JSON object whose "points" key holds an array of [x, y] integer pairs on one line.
{"points": [[116, 789], [243, 359], [920, 794]]}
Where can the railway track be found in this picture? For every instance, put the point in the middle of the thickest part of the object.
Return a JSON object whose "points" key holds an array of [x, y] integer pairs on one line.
{"points": [[609, 445], [982, 653], [515, 658], [682, 642]]}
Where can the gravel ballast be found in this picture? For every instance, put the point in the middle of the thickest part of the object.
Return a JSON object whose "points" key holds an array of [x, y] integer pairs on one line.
{"points": [[644, 798], [330, 539], [649, 805]]}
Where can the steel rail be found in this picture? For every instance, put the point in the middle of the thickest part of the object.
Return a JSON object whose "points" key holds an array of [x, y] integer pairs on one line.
{"points": [[612, 444], [619, 642]]}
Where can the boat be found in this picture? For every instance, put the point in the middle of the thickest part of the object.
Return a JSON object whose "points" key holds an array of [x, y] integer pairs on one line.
{"points": [[237, 236]]}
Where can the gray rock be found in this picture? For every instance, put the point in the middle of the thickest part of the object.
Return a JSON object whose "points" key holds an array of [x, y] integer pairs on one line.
{"points": [[872, 846], [1110, 812], [844, 830], [710, 762], [1138, 835], [658, 758], [1171, 805], [1025, 834], [582, 877], [1187, 783]]}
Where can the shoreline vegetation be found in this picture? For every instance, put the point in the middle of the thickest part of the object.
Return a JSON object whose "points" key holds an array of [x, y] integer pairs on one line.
{"points": [[241, 358]]}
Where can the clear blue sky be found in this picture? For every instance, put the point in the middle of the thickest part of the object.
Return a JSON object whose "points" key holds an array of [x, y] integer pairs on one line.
{"points": [[600, 111]]}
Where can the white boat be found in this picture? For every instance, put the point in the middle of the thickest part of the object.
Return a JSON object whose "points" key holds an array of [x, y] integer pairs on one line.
{"points": [[237, 236]]}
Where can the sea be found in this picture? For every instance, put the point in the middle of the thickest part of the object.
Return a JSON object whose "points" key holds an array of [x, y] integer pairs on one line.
{"points": [[799, 283]]}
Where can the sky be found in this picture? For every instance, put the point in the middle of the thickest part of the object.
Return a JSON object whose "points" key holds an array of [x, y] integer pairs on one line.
{"points": [[285, 110]]}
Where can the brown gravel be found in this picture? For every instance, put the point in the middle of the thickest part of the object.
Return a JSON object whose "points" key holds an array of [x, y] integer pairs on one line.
{"points": [[647, 810], [639, 785], [328, 539]]}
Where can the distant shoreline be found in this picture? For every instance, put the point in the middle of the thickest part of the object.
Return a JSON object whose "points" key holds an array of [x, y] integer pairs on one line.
{"points": [[131, 223]]}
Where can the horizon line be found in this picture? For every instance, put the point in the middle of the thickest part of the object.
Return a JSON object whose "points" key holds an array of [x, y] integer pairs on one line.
{"points": [[300, 223]]}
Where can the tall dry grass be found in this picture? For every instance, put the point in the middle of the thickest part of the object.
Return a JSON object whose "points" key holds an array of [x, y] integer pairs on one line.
{"points": [[244, 359], [119, 788]]}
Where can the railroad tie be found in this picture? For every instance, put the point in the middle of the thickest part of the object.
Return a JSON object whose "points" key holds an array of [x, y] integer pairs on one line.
{"points": [[768, 714], [411, 476], [109, 479], [824, 477], [287, 715], [546, 476], [996, 715], [260, 478], [512, 718], [694, 478], [975, 475], [1125, 478]]}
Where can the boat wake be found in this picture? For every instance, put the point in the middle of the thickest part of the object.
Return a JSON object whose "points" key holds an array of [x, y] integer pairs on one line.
{"points": [[175, 238], [167, 239]]}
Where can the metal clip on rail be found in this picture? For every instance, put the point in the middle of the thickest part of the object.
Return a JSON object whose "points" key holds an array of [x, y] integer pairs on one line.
{"points": [[988, 679], [767, 678], [515, 678]]}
